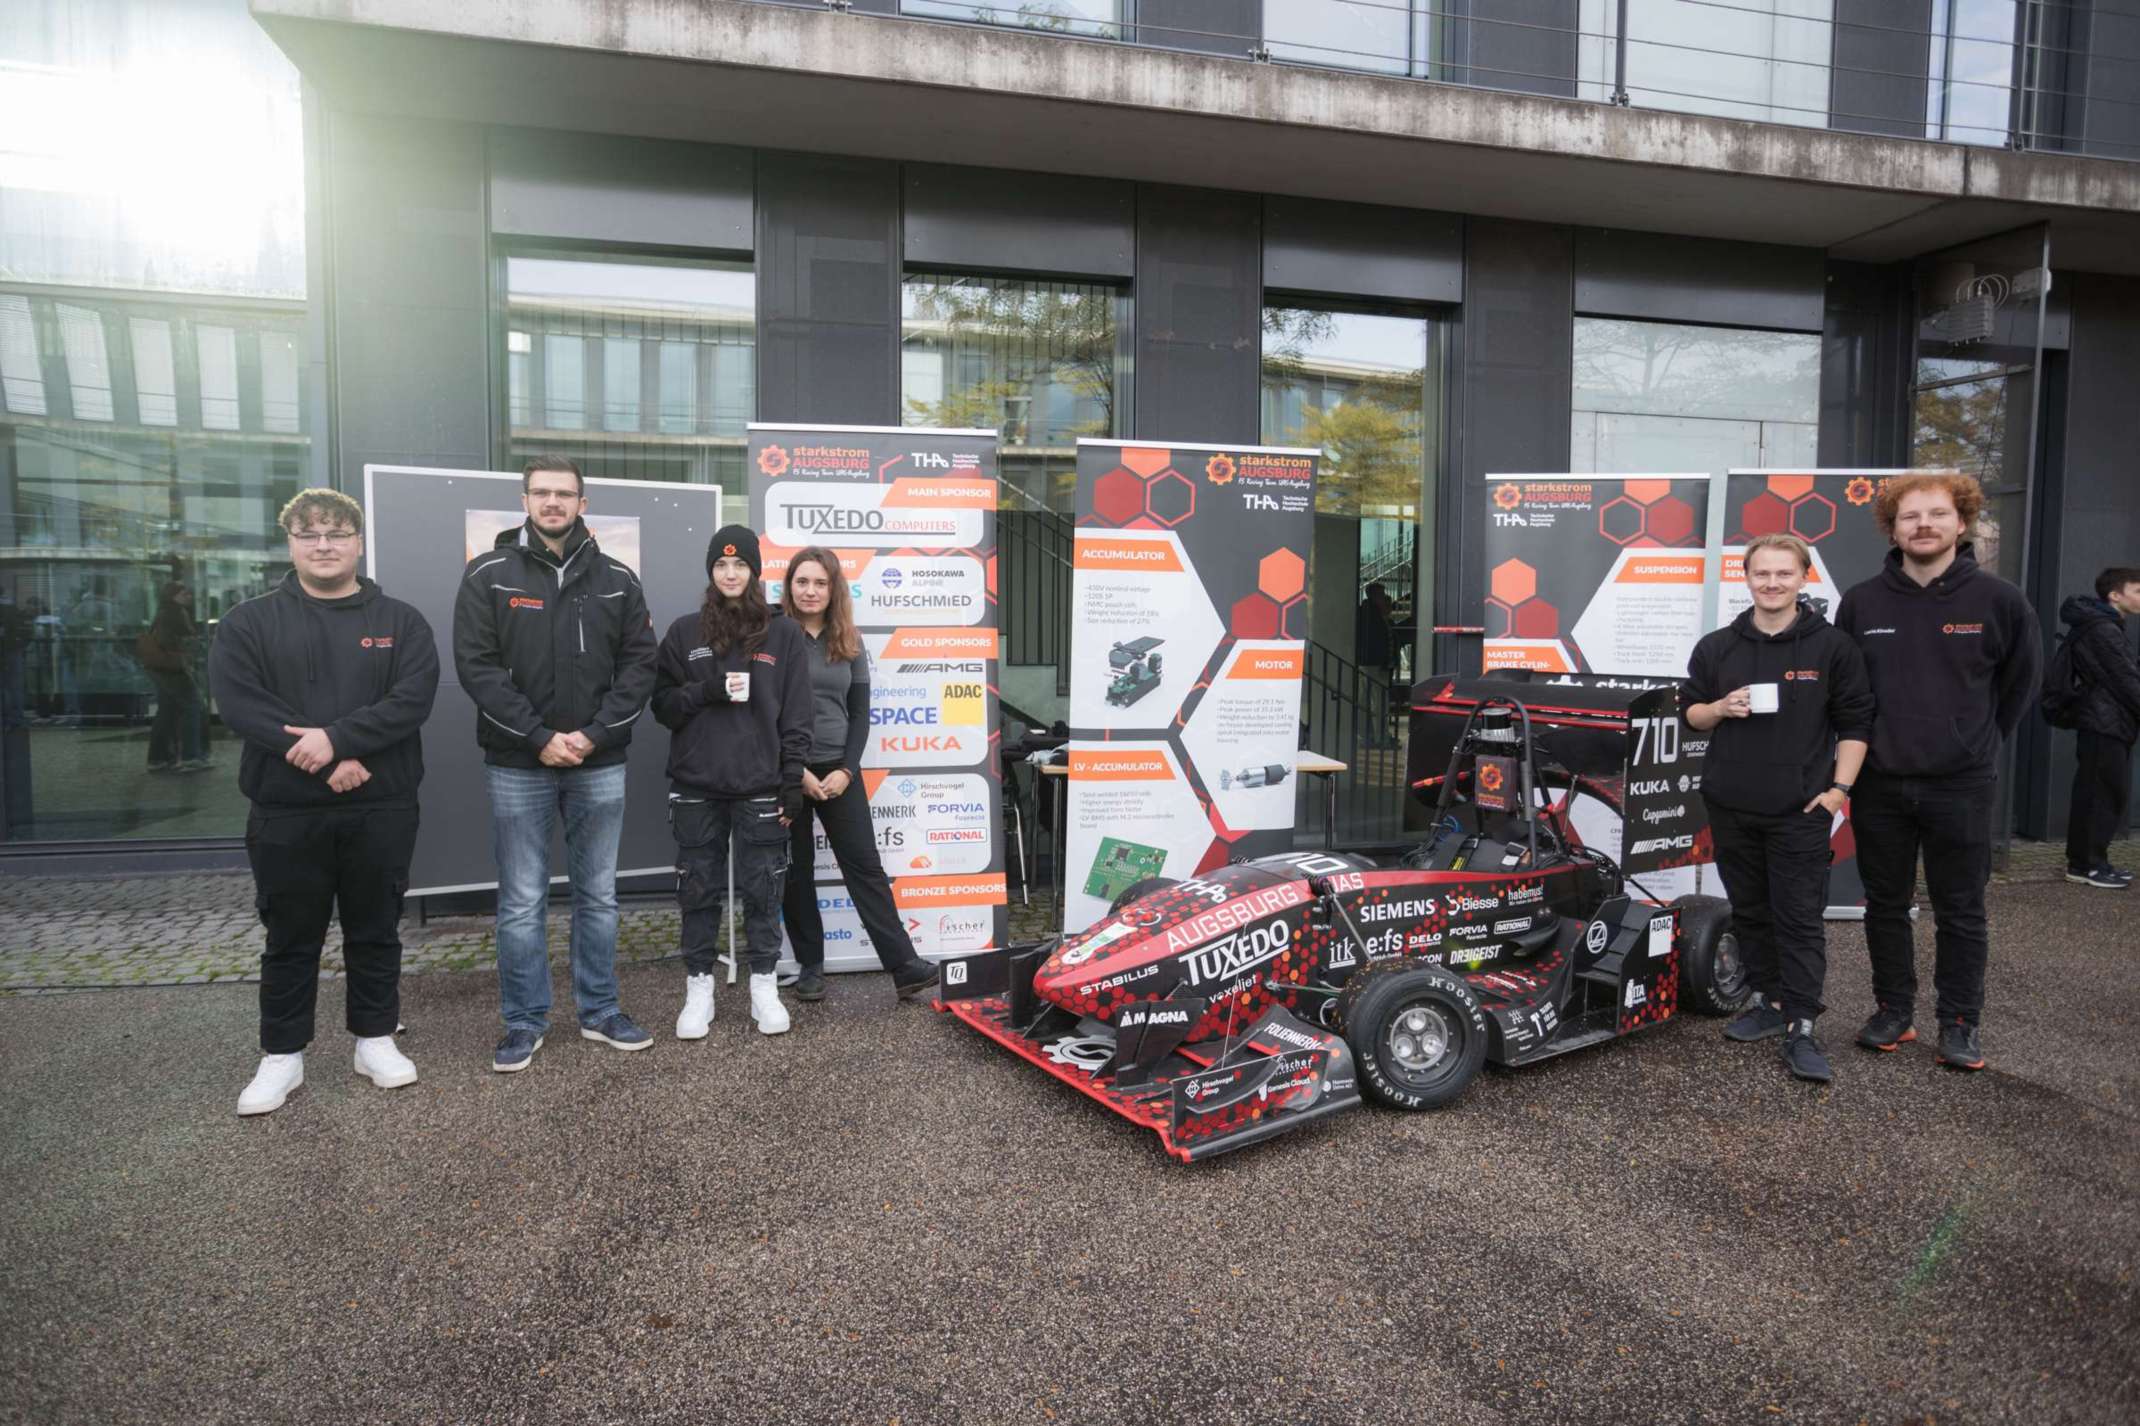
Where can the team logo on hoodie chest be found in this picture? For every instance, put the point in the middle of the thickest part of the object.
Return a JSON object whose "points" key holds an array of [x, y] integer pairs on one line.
{"points": [[523, 601], [1801, 675], [376, 641]]}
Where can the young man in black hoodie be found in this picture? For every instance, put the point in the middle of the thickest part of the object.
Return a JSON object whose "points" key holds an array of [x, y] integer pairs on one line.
{"points": [[552, 641], [1954, 656], [1790, 708], [328, 681], [2106, 716]]}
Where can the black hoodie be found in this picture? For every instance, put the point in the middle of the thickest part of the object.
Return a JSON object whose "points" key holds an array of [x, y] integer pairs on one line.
{"points": [[1953, 663], [2103, 660], [1778, 762], [722, 749], [362, 667]]}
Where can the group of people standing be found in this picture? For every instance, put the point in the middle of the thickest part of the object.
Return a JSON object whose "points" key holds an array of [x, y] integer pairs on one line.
{"points": [[1899, 709], [329, 681]]}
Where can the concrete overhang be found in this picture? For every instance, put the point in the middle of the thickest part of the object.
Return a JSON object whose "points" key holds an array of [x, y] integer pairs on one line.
{"points": [[787, 77]]}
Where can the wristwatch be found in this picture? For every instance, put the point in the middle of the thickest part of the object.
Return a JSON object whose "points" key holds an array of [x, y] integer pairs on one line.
{"points": [[1842, 787]]}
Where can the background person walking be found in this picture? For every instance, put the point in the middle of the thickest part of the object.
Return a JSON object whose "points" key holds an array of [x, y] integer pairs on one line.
{"points": [[329, 682], [552, 641], [2105, 715]]}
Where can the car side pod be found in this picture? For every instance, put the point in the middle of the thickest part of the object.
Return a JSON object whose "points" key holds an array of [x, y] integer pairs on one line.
{"points": [[1203, 1098]]}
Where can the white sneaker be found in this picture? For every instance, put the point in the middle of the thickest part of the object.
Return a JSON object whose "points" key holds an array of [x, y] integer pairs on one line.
{"points": [[272, 1083], [382, 1064], [765, 1006], [698, 1007]]}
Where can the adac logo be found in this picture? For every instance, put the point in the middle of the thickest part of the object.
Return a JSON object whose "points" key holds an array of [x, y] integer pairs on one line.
{"points": [[773, 460], [1219, 469], [1859, 491], [1490, 777], [1508, 496], [522, 601], [1961, 628]]}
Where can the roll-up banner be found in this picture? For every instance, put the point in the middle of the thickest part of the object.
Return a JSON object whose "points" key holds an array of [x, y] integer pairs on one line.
{"points": [[422, 525], [1832, 511], [911, 513], [1189, 618]]}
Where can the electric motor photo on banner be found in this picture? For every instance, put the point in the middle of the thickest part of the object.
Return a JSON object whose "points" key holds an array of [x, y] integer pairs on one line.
{"points": [[911, 513], [1189, 614], [1595, 573], [422, 526], [1832, 511]]}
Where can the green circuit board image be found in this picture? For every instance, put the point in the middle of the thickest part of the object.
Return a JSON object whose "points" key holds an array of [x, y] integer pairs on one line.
{"points": [[1121, 865]]}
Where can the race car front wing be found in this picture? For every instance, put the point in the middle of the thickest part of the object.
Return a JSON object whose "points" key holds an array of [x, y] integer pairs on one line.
{"points": [[1203, 1098]]}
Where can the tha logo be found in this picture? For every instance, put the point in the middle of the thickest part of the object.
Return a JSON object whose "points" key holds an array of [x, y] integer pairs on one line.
{"points": [[773, 460]]}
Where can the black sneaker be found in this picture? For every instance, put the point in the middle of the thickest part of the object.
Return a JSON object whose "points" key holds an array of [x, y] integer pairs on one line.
{"points": [[1802, 1054], [1757, 1021], [617, 1031], [916, 978], [810, 985], [1959, 1047], [2108, 878], [515, 1051], [1886, 1030]]}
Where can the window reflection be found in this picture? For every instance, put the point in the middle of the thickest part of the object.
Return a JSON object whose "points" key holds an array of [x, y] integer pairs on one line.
{"points": [[586, 337], [1098, 18]]}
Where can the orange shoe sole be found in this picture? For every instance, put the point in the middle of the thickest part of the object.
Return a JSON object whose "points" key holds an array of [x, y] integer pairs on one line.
{"points": [[1900, 1040]]}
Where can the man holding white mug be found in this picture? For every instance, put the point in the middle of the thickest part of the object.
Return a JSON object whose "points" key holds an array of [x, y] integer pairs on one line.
{"points": [[1786, 742]]}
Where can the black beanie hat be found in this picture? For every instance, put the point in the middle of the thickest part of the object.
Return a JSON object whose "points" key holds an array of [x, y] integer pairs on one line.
{"points": [[740, 541]]}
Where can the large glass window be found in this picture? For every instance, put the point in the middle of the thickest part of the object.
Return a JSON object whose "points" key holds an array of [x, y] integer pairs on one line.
{"points": [[1343, 34], [1039, 361], [637, 368], [1101, 19], [1974, 45], [1752, 59], [1654, 396]]}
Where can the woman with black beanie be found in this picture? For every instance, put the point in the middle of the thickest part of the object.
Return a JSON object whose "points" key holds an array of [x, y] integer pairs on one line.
{"points": [[732, 686]]}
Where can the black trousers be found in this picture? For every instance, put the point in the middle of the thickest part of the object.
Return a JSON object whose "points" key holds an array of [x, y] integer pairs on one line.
{"points": [[2102, 789], [1775, 870], [704, 833], [853, 837], [1950, 822], [307, 864]]}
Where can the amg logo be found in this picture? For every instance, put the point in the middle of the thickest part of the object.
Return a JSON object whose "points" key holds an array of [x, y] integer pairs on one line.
{"points": [[975, 667], [1683, 842], [1242, 951], [1398, 910]]}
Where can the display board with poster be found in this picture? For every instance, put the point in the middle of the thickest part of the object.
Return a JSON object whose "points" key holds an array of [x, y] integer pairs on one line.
{"points": [[911, 514], [421, 527], [1189, 614], [1832, 511], [1595, 573]]}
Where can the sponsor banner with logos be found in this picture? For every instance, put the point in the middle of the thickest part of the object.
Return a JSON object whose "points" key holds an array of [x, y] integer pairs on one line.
{"points": [[910, 513], [1832, 511], [1189, 614], [1595, 573]]}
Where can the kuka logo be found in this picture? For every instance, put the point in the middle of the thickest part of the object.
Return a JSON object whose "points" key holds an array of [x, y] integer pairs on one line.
{"points": [[1219, 469], [522, 601], [1507, 496], [773, 460]]}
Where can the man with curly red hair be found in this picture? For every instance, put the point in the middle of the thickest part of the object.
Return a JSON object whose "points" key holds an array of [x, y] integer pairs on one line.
{"points": [[1954, 653]]}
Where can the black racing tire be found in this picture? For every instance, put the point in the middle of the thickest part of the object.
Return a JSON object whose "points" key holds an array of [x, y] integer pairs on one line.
{"points": [[1417, 1033], [1712, 972], [1140, 888]]}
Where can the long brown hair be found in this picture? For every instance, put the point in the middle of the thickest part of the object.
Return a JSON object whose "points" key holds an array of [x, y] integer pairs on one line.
{"points": [[841, 641], [738, 623]]}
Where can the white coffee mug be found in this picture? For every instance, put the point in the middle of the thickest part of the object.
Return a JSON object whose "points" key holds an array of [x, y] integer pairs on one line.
{"points": [[739, 689], [1761, 697]]}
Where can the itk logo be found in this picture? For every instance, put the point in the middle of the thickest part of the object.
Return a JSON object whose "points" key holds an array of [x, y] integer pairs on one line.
{"points": [[773, 460], [1219, 470]]}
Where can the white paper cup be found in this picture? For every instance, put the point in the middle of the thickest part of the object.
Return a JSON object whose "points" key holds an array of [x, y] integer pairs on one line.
{"points": [[739, 689], [1762, 697]]}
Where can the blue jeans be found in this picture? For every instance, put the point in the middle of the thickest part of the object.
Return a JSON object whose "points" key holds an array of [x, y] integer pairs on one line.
{"points": [[525, 803]]}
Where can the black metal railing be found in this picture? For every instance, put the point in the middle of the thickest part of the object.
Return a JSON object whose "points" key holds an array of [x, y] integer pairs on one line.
{"points": [[1033, 573], [1356, 716]]}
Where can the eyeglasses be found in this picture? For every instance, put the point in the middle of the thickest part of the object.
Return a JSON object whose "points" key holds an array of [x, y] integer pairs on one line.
{"points": [[553, 495], [309, 538]]}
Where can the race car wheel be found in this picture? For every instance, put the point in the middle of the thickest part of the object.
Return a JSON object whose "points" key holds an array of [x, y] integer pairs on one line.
{"points": [[1417, 1034], [1712, 972], [1140, 888]]}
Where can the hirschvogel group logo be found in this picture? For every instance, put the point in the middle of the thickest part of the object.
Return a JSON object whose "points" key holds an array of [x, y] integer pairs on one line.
{"points": [[773, 460]]}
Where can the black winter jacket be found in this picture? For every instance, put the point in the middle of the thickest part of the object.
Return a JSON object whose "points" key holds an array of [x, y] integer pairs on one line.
{"points": [[363, 668], [548, 645], [1778, 762], [2103, 661], [718, 748], [1953, 664]]}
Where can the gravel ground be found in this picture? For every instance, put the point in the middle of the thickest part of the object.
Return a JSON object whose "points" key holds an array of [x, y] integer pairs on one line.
{"points": [[882, 1218]]}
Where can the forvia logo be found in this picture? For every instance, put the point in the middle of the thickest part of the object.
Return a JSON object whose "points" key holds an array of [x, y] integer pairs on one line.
{"points": [[1508, 495], [773, 460], [1219, 470]]}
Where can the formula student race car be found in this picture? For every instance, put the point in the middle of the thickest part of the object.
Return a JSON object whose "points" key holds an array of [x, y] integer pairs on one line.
{"points": [[1262, 996]]}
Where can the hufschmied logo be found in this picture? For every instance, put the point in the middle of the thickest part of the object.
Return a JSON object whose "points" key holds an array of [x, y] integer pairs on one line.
{"points": [[522, 601]]}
